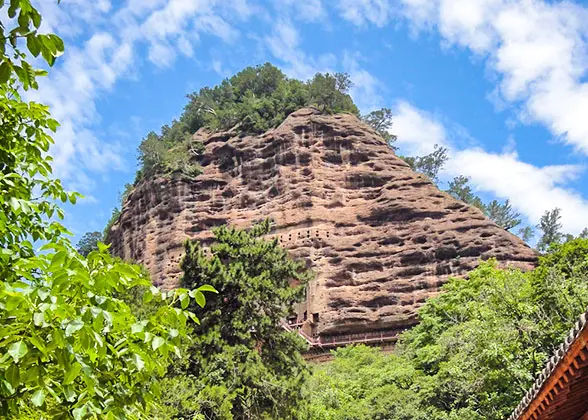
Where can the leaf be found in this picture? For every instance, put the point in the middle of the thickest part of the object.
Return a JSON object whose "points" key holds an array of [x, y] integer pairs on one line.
{"points": [[13, 375], [36, 17], [42, 293], [72, 374], [207, 288], [73, 327], [33, 45], [39, 319], [58, 43], [38, 344], [38, 398], [18, 350], [147, 296], [138, 360], [70, 394], [184, 300], [200, 299], [157, 342], [12, 9], [80, 412], [5, 70], [137, 328]]}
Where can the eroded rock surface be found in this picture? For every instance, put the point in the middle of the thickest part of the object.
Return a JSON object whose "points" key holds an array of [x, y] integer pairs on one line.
{"points": [[380, 237]]}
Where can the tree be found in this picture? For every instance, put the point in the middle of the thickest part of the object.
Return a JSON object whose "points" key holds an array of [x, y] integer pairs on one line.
{"points": [[329, 92], [151, 154], [550, 227], [247, 364], [459, 188], [503, 214], [69, 347], [429, 165], [89, 243], [583, 234], [526, 233], [381, 121]]}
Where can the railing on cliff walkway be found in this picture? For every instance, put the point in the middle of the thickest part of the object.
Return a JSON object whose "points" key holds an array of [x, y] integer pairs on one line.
{"points": [[343, 339]]}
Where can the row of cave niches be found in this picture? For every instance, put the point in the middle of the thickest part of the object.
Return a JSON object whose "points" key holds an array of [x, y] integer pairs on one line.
{"points": [[288, 238], [301, 235]]}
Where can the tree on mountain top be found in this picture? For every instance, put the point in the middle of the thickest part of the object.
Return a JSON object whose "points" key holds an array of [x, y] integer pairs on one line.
{"points": [[503, 214], [430, 164], [250, 102], [459, 188], [381, 121]]}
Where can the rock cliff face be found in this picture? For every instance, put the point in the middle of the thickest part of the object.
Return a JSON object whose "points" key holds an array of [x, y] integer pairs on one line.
{"points": [[380, 237]]}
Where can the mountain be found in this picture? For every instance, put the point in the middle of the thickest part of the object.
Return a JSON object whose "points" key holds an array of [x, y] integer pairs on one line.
{"points": [[379, 237]]}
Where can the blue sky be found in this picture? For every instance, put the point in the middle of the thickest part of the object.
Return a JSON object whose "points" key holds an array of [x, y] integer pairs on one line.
{"points": [[502, 84]]}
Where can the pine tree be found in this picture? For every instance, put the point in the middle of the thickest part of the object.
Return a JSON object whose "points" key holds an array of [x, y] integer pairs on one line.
{"points": [[550, 227], [429, 165], [526, 233], [503, 214], [381, 121], [459, 188], [246, 358]]}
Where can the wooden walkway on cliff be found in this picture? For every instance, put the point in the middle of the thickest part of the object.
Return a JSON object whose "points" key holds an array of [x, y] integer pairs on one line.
{"points": [[325, 343]]}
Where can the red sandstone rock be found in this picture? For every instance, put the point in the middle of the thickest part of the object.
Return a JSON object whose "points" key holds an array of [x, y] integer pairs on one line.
{"points": [[380, 237]]}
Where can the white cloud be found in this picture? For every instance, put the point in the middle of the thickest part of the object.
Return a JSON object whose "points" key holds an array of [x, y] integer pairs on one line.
{"points": [[185, 46], [531, 189], [418, 131], [366, 87], [97, 59], [216, 25], [308, 10], [161, 54], [360, 12], [538, 49]]}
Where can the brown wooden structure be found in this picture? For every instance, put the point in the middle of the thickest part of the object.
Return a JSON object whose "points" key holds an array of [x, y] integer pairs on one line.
{"points": [[561, 390]]}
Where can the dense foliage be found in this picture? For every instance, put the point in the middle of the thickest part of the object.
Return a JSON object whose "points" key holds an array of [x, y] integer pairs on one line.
{"points": [[70, 347], [252, 101], [474, 353], [242, 364]]}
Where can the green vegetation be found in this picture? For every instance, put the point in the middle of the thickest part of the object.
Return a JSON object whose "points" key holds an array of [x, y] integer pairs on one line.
{"points": [[251, 102], [70, 347], [242, 364], [88, 243], [500, 213], [428, 165], [474, 353], [550, 225], [381, 121]]}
